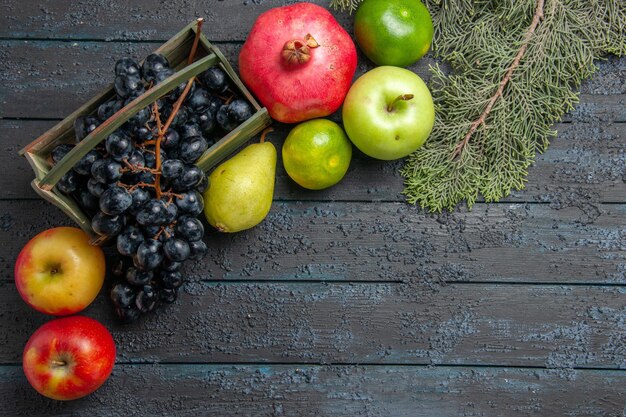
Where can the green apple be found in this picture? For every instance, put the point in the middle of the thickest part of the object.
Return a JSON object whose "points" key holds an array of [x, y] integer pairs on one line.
{"points": [[388, 113]]}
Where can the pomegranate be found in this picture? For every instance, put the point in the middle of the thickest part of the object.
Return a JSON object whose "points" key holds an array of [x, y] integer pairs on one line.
{"points": [[298, 61]]}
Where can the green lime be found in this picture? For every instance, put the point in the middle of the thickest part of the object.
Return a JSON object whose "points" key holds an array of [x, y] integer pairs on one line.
{"points": [[393, 32], [317, 154]]}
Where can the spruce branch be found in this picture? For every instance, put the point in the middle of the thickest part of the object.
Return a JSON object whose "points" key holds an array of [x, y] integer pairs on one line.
{"points": [[345, 5], [516, 69], [531, 30]]}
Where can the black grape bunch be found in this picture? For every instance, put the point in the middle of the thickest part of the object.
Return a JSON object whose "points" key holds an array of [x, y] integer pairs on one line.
{"points": [[149, 204]]}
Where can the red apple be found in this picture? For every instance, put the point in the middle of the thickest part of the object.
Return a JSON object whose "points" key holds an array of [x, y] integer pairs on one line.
{"points": [[69, 358], [58, 272]]}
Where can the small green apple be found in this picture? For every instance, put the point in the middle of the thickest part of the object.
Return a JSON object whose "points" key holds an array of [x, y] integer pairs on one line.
{"points": [[388, 113]]}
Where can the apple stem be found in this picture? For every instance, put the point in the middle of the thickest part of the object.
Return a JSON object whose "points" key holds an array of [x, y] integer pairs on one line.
{"points": [[58, 363], [264, 134], [402, 97]]}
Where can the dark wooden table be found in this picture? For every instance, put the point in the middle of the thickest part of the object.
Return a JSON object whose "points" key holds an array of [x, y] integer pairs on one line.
{"points": [[345, 302]]}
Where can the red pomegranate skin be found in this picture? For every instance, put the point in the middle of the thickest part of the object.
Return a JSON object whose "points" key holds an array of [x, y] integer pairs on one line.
{"points": [[294, 92]]}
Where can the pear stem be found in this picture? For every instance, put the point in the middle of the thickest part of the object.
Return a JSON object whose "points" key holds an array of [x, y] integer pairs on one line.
{"points": [[403, 97], [264, 134]]}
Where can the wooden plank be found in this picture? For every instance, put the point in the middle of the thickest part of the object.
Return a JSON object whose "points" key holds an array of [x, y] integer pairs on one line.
{"points": [[34, 74], [116, 19], [558, 327], [403, 391], [585, 160], [576, 243]]}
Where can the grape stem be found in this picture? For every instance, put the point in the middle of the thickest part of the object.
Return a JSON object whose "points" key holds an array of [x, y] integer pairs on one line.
{"points": [[136, 168]]}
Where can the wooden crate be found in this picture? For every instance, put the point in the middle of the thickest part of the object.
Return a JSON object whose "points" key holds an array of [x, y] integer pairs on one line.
{"points": [[176, 50]]}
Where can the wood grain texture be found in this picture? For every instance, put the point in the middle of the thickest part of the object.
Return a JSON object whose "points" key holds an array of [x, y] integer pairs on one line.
{"points": [[524, 303], [559, 327], [368, 391], [144, 19], [586, 160], [35, 74], [576, 242]]}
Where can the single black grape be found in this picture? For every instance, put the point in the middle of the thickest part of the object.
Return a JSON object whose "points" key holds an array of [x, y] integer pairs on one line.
{"points": [[127, 66], [105, 225], [171, 279], [168, 295], [129, 240], [199, 100], [115, 200], [172, 168], [146, 299], [191, 177], [153, 213], [192, 148], [118, 145], [84, 125], [142, 133], [175, 249], [106, 170], [189, 228], [189, 129], [197, 250], [140, 118], [68, 183], [91, 123], [83, 166], [206, 121], [153, 65], [215, 79], [140, 197], [224, 121], [86, 199], [122, 295], [137, 159], [170, 140], [128, 85], [169, 265], [128, 314], [60, 151], [136, 276], [239, 110], [149, 255], [95, 187], [109, 108], [190, 203]]}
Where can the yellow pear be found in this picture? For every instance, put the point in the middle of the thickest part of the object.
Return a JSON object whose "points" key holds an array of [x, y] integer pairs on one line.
{"points": [[241, 189]]}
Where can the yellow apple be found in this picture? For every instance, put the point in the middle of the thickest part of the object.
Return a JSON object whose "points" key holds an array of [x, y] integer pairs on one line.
{"points": [[58, 272]]}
